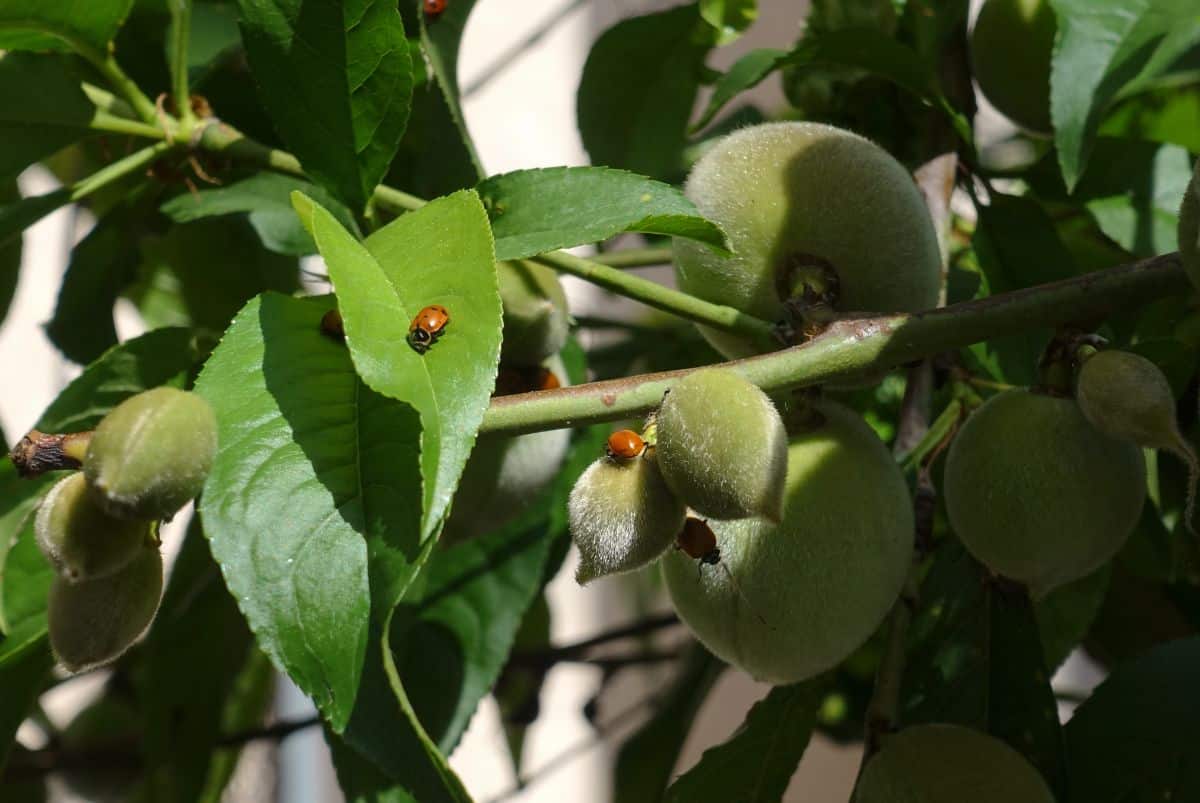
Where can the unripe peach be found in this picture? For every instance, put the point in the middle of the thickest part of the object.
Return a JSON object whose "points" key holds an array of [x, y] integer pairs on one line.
{"points": [[949, 764], [92, 623], [151, 455], [804, 199], [1037, 493], [1011, 49], [789, 601], [722, 446], [535, 312], [79, 538], [622, 516]]}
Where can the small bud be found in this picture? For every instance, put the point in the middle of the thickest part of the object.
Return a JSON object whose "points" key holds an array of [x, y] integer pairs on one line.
{"points": [[79, 538], [152, 453], [622, 516], [93, 623], [535, 312], [722, 446]]}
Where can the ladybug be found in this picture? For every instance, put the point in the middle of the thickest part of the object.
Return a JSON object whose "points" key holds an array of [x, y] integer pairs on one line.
{"points": [[427, 327], [510, 380], [699, 541], [548, 380], [433, 8], [332, 326], [624, 444]]}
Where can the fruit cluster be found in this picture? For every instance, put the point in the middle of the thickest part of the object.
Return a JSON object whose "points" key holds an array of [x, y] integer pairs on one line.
{"points": [[99, 527]]}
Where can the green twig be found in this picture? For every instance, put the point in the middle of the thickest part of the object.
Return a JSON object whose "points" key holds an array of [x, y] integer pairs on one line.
{"points": [[635, 258], [118, 170], [854, 347], [112, 124], [125, 86], [181, 26]]}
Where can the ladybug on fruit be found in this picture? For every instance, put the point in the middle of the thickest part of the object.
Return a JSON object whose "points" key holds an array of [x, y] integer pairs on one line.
{"points": [[624, 444]]}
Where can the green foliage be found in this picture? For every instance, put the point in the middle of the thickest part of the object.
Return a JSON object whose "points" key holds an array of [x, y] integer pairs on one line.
{"points": [[42, 108], [34, 25]]}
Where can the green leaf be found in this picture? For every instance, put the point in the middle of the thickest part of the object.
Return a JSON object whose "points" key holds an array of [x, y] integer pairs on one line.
{"points": [[42, 108], [729, 18], [337, 80], [1134, 738], [439, 254], [1065, 614], [1102, 49], [747, 72], [975, 659], [161, 357], [19, 498], [647, 759], [756, 763], [22, 680], [637, 91], [101, 265], [442, 39], [24, 588], [85, 25], [534, 211], [21, 213], [1144, 219], [10, 251], [313, 471], [182, 720], [266, 197], [1168, 114], [432, 129]]}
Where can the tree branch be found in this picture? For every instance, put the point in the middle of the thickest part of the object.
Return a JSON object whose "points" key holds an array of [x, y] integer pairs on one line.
{"points": [[855, 346]]}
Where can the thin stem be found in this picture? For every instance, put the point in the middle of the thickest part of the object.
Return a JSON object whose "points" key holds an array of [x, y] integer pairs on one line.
{"points": [[118, 170], [854, 347], [110, 123], [181, 26], [635, 258], [126, 87]]}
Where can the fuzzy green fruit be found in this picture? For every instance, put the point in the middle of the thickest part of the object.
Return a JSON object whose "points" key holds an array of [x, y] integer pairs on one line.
{"points": [[535, 312], [151, 455], [722, 447], [791, 195], [1038, 494], [1011, 48], [1189, 228], [504, 475], [949, 764], [79, 538], [793, 600], [94, 622], [622, 516]]}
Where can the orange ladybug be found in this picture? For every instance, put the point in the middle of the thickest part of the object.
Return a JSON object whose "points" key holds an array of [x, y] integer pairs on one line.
{"points": [[699, 541], [510, 380], [433, 8], [548, 380], [624, 444], [427, 327], [332, 325]]}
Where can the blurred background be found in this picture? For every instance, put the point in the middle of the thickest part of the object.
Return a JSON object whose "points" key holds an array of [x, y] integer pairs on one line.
{"points": [[520, 69]]}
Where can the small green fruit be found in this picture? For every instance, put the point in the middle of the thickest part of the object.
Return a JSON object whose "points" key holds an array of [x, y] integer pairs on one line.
{"points": [[1011, 49], [535, 312], [92, 623], [722, 447], [1038, 494], [622, 515], [789, 601], [949, 764], [151, 454], [1189, 228], [796, 197], [79, 538]]}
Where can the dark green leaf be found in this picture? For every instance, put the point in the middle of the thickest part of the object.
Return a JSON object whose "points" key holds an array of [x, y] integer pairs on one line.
{"points": [[404, 267], [213, 34], [360, 780], [313, 471], [1018, 247], [21, 213], [18, 499], [1065, 614], [10, 252], [1134, 739], [266, 197], [431, 129], [441, 39], [161, 357], [1144, 220], [22, 680], [648, 757], [337, 80], [1102, 49], [638, 88], [39, 25], [746, 72], [42, 108], [1169, 114], [975, 659], [24, 587], [729, 18], [182, 720], [101, 265], [534, 211], [757, 762]]}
